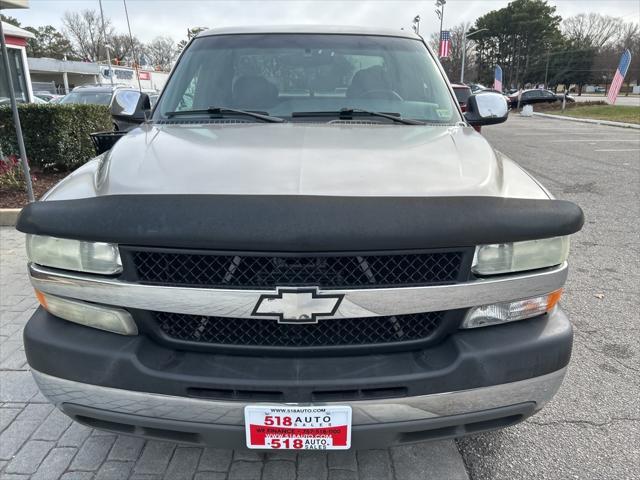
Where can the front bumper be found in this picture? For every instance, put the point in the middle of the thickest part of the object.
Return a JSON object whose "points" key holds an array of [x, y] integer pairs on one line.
{"points": [[220, 424], [474, 380]]}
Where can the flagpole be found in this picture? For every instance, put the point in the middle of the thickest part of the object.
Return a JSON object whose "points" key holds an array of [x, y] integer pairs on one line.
{"points": [[136, 60], [441, 17], [106, 47], [440, 4]]}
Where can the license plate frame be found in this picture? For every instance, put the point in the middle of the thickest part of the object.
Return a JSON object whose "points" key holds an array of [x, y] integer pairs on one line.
{"points": [[293, 427]]}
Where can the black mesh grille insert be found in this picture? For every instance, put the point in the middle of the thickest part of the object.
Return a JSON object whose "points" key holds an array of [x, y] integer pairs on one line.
{"points": [[252, 271], [325, 333]]}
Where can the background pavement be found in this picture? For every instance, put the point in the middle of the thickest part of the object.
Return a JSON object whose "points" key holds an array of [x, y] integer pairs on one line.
{"points": [[591, 429]]}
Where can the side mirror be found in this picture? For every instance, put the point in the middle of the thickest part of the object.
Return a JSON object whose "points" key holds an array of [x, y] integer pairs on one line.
{"points": [[486, 108], [130, 106]]}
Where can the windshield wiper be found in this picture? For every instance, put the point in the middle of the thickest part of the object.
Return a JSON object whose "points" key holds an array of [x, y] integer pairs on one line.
{"points": [[348, 114], [221, 111]]}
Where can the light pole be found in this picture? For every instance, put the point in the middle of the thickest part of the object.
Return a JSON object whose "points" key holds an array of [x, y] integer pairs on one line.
{"points": [[106, 47], [440, 13], [136, 59], [416, 24], [465, 36]]}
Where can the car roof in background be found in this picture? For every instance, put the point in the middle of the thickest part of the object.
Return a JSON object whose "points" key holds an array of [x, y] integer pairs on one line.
{"points": [[312, 29], [536, 90], [109, 88]]}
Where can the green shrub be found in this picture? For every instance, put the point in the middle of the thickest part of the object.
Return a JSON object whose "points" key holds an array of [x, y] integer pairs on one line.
{"points": [[56, 136]]}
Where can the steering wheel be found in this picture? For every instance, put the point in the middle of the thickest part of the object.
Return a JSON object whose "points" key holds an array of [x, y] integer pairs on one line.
{"points": [[382, 94]]}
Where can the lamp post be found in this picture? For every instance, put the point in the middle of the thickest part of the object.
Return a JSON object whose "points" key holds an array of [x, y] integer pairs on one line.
{"points": [[465, 36], [106, 47], [440, 13], [136, 59], [416, 24]]}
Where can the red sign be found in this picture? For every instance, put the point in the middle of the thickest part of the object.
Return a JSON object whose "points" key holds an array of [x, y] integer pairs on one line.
{"points": [[259, 434], [17, 41], [144, 75]]}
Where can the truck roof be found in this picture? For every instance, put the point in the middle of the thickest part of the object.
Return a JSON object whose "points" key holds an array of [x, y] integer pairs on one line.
{"points": [[312, 29]]}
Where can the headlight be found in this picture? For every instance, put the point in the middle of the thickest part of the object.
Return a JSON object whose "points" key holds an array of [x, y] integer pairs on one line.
{"points": [[91, 257], [506, 312], [520, 256]]}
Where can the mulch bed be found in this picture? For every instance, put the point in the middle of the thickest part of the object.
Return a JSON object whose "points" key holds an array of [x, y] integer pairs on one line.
{"points": [[17, 198]]}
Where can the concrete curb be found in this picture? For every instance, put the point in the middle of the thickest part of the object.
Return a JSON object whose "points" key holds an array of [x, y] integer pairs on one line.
{"points": [[589, 120], [9, 216]]}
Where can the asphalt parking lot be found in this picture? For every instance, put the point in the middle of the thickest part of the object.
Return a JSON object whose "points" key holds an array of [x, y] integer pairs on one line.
{"points": [[592, 427], [590, 430]]}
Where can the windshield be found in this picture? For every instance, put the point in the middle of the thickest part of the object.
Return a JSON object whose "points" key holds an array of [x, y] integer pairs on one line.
{"points": [[94, 98], [279, 74]]}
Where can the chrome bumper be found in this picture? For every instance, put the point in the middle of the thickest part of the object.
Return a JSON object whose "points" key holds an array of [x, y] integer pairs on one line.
{"points": [[355, 303], [538, 389]]}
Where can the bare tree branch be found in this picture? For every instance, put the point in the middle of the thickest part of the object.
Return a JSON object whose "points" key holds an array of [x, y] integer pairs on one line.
{"points": [[84, 29]]}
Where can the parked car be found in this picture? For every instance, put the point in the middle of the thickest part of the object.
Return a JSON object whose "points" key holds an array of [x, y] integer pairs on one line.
{"points": [[305, 245], [102, 95], [463, 92], [536, 95], [47, 96], [600, 90], [476, 87]]}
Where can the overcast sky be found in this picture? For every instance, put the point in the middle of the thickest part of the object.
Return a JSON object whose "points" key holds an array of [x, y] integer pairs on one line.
{"points": [[150, 18]]}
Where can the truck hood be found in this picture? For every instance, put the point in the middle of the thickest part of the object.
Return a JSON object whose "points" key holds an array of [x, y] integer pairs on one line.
{"points": [[301, 159]]}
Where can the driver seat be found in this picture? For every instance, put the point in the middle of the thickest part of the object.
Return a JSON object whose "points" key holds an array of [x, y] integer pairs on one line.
{"points": [[367, 79]]}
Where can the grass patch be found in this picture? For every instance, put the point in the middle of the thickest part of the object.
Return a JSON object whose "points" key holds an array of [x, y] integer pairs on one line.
{"points": [[614, 113]]}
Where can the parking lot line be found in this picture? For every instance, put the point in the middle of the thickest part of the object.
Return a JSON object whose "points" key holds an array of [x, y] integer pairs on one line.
{"points": [[618, 150]]}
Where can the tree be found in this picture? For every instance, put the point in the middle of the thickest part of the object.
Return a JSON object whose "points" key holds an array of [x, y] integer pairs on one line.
{"points": [[122, 49], [194, 31], [517, 37], [453, 64], [10, 20], [630, 38], [570, 63], [182, 44], [593, 29], [161, 52], [606, 38], [86, 33], [48, 42], [191, 32]]}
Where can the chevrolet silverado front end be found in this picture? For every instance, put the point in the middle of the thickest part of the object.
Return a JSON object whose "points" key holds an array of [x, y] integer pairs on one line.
{"points": [[306, 246]]}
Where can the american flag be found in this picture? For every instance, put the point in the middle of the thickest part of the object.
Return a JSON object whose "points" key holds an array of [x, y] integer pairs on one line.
{"points": [[445, 44], [618, 78], [497, 82]]}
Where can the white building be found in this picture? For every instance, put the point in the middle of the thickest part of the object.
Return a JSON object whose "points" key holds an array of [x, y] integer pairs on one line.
{"points": [[66, 74]]}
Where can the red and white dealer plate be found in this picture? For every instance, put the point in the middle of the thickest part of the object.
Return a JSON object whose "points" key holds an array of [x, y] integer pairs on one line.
{"points": [[298, 428]]}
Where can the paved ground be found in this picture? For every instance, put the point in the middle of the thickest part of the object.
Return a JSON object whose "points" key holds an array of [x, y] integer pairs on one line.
{"points": [[591, 429], [633, 100]]}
